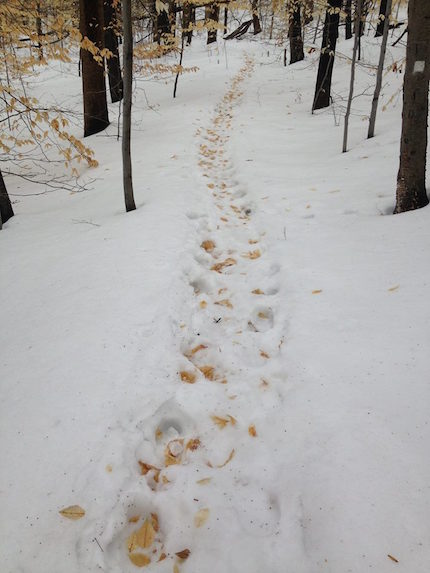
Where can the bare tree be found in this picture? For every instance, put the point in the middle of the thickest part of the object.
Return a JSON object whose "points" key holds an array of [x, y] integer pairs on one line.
{"points": [[126, 105], [295, 32], [93, 80], [328, 49], [255, 19], [6, 211], [411, 179], [111, 43], [383, 14], [352, 79], [380, 70], [211, 19], [348, 19]]}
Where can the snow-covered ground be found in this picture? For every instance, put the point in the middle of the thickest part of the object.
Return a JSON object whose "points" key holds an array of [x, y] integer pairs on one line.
{"points": [[256, 331]]}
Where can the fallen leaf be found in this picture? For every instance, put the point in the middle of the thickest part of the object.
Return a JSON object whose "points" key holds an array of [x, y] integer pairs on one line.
{"points": [[184, 554], [211, 185], [154, 521], [257, 291], [204, 481], [134, 519], [317, 291], [252, 431], [132, 542], [207, 371], [201, 517], [222, 422], [263, 315], [392, 558], [158, 434], [162, 557], [193, 444], [230, 457], [145, 535], [208, 246], [188, 377], [264, 354], [72, 512], [392, 289], [203, 304], [253, 241], [218, 267], [224, 302], [109, 468], [139, 559], [145, 468], [252, 254], [175, 568], [264, 383], [198, 348]]}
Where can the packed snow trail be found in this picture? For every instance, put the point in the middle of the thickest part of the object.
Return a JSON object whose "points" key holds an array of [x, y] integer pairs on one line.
{"points": [[201, 463]]}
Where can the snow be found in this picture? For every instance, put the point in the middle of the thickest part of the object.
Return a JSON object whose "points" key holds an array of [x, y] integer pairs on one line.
{"points": [[102, 309]]}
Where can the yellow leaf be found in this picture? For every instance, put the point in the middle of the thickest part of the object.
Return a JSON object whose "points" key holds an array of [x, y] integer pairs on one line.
{"points": [[198, 348], [257, 291], [252, 431], [204, 481], [145, 535], [230, 457], [173, 452], [317, 291], [201, 517], [134, 519], [263, 315], [145, 468], [73, 512], [203, 304], [224, 302], [154, 521], [207, 371], [193, 444], [253, 241], [188, 377], [132, 542], [222, 422], [218, 267], [139, 559]]}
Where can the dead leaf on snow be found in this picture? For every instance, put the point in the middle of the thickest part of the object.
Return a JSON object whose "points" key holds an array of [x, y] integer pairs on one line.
{"points": [[317, 291], [207, 371], [204, 481], [252, 431], [198, 348], [201, 517], [188, 377], [72, 512], [222, 422], [145, 468], [134, 519], [257, 291], [193, 444], [173, 452], [139, 559], [132, 542], [224, 302], [252, 254], [392, 558], [203, 304], [264, 354], [208, 246], [145, 535], [184, 554], [394, 288], [154, 521], [218, 267], [228, 460]]}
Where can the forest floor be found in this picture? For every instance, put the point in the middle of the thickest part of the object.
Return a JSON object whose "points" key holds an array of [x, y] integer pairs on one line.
{"points": [[236, 372]]}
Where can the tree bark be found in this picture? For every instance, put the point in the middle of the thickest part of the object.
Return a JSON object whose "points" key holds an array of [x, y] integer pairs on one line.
{"points": [[39, 30], [382, 16], [255, 19], [187, 31], [352, 78], [212, 17], [348, 19], [380, 71], [6, 211], [411, 179], [93, 80], [111, 43], [328, 48], [126, 105], [295, 34]]}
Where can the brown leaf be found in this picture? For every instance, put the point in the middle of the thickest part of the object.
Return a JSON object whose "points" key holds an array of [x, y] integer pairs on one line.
{"points": [[139, 559], [134, 519], [222, 422], [208, 246], [162, 557], [201, 517], [317, 291], [193, 444], [253, 241], [207, 371], [158, 434], [252, 431], [145, 468], [154, 521], [394, 288], [263, 315], [264, 354], [198, 348], [230, 457], [72, 512], [203, 304], [132, 542], [188, 377], [204, 481], [184, 554], [257, 291], [392, 558], [224, 302], [218, 267], [145, 535], [252, 254]]}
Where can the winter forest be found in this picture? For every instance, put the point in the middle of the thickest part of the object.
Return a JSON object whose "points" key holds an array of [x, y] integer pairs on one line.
{"points": [[214, 263]]}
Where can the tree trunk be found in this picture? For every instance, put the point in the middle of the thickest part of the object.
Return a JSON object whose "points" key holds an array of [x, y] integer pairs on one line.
{"points": [[187, 31], [411, 178], [255, 19], [352, 78], [111, 43], [362, 23], [328, 48], [348, 19], [39, 31], [380, 71], [6, 211], [295, 35], [93, 80], [308, 11], [226, 19], [211, 18], [126, 105], [382, 16]]}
